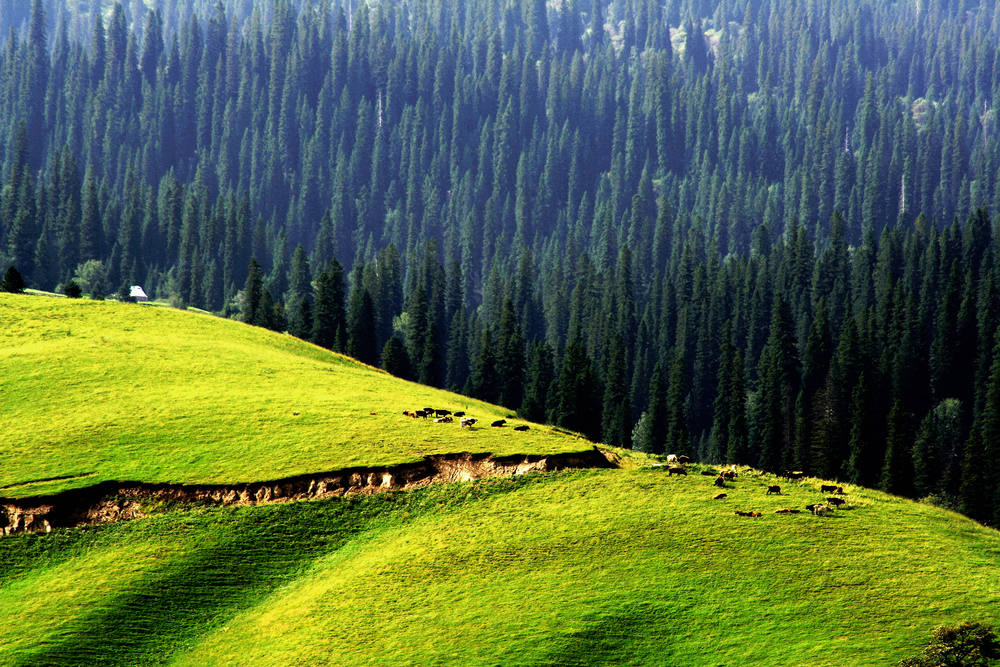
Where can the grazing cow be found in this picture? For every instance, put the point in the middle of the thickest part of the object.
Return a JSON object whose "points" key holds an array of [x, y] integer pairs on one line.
{"points": [[420, 413], [684, 460], [836, 502], [429, 411], [709, 473], [819, 509], [499, 422], [443, 420], [773, 489], [676, 470], [458, 414], [466, 422], [720, 496], [787, 511], [672, 458], [442, 413], [729, 474], [522, 427], [406, 413], [719, 482], [828, 488], [793, 474]]}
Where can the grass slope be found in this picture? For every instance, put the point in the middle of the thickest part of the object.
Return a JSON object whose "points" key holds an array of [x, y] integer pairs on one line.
{"points": [[92, 391], [595, 567]]}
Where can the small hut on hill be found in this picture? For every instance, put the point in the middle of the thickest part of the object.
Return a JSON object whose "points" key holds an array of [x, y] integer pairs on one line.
{"points": [[137, 294]]}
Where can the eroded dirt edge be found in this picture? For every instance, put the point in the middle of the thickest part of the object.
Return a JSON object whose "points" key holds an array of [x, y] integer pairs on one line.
{"points": [[112, 501]]}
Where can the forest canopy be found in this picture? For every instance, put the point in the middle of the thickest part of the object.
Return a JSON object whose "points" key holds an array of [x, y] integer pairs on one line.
{"points": [[757, 231]]}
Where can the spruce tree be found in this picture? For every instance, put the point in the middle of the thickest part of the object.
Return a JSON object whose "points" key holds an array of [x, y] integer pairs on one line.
{"points": [[12, 281], [361, 327], [329, 320], [395, 361], [540, 375], [579, 407], [253, 295], [616, 422], [484, 381], [897, 470], [678, 441]]}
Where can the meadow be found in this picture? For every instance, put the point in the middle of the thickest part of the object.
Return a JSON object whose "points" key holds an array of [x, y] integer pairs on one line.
{"points": [[620, 566], [585, 567], [93, 391]]}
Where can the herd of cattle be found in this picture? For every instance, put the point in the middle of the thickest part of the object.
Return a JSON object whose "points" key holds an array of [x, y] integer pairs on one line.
{"points": [[447, 417], [677, 465]]}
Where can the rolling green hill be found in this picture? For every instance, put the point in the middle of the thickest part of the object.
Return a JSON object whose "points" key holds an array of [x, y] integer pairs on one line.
{"points": [[587, 567], [93, 391]]}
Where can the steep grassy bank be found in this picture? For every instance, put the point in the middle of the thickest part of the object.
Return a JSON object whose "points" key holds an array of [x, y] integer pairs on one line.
{"points": [[94, 391], [600, 567]]}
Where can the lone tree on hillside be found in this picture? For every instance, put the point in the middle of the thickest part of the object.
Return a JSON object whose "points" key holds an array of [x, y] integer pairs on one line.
{"points": [[13, 282]]}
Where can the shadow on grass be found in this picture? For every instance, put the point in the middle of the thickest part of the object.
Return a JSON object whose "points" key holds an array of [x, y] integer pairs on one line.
{"points": [[244, 558], [609, 639], [247, 553]]}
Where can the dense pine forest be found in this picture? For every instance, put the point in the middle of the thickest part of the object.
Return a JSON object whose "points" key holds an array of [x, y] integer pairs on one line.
{"points": [[757, 231]]}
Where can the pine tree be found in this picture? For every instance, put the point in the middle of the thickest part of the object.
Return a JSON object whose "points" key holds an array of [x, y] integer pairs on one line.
{"points": [[361, 327], [897, 471], [329, 320], [678, 441], [510, 358], [484, 381], [540, 375], [579, 407], [394, 358], [779, 379], [253, 295], [616, 422], [12, 281]]}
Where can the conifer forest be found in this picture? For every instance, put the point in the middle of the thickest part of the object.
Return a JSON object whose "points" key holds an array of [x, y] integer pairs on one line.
{"points": [[753, 231]]}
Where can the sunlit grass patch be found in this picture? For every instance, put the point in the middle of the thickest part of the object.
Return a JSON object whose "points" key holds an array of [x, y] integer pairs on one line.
{"points": [[594, 567], [91, 391]]}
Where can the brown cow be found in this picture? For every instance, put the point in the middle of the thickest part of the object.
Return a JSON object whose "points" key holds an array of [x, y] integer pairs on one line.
{"points": [[787, 511], [467, 421], [676, 470], [729, 474], [773, 489], [750, 513]]}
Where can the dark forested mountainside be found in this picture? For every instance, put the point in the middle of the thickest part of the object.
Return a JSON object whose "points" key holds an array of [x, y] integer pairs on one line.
{"points": [[753, 231]]}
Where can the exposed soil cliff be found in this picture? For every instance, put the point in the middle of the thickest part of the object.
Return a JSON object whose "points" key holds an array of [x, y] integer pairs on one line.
{"points": [[118, 501]]}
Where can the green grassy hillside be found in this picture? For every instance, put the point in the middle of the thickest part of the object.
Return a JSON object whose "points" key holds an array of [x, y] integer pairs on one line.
{"points": [[93, 391], [594, 567]]}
